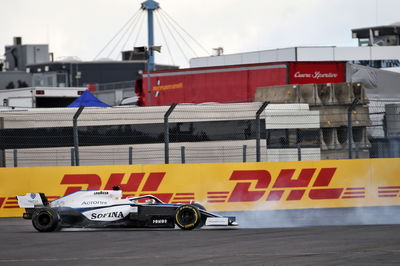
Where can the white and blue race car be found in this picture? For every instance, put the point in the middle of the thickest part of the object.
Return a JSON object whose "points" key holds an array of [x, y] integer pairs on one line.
{"points": [[107, 208]]}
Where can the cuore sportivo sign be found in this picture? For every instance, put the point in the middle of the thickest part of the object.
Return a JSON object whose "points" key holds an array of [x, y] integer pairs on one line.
{"points": [[317, 72], [221, 187]]}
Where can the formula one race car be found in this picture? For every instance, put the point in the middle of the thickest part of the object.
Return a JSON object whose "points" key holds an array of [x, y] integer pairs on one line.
{"points": [[106, 208]]}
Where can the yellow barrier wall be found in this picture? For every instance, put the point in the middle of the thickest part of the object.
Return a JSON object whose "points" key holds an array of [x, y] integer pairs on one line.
{"points": [[221, 187]]}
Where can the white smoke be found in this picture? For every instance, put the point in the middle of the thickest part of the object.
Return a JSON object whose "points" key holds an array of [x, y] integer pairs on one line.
{"points": [[317, 217], [359, 214]]}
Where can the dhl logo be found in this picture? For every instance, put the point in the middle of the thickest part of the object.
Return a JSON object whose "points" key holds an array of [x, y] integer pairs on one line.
{"points": [[286, 180], [248, 186], [138, 184]]}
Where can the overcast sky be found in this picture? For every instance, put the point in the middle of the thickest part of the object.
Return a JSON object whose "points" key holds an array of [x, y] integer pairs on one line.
{"points": [[82, 28]]}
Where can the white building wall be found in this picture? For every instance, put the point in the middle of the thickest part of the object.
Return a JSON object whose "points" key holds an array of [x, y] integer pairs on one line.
{"points": [[385, 52], [315, 54], [355, 53], [285, 55], [310, 54], [249, 58]]}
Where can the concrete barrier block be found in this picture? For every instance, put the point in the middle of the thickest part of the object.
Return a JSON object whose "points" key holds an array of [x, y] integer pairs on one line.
{"points": [[278, 94]]}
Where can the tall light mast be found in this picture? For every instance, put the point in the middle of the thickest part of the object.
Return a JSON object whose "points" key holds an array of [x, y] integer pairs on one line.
{"points": [[150, 6]]}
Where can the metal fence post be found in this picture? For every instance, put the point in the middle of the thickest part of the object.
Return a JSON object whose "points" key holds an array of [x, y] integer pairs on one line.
{"points": [[166, 132], [2, 158], [130, 155], [258, 129], [357, 150], [298, 151], [384, 126], [244, 153], [266, 145], [75, 131], [350, 125], [2, 151], [72, 157], [183, 159], [298, 144], [15, 156]]}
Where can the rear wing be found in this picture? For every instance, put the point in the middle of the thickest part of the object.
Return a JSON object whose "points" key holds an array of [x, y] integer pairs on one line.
{"points": [[31, 200]]}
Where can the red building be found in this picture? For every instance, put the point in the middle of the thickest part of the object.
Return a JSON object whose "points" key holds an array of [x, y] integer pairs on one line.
{"points": [[234, 83]]}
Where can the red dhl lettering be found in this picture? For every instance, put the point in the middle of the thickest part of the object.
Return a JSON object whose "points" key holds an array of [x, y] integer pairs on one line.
{"points": [[150, 185], [93, 182], [286, 179], [249, 186], [242, 191]]}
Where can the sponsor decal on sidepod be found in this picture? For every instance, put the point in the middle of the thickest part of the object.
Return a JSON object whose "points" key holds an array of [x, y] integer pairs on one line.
{"points": [[109, 214]]}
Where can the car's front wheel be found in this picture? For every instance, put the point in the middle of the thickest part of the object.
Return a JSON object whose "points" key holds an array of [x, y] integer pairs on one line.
{"points": [[187, 217], [45, 220]]}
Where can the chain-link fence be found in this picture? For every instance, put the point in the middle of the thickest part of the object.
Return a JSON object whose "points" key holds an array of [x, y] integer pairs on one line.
{"points": [[202, 133]]}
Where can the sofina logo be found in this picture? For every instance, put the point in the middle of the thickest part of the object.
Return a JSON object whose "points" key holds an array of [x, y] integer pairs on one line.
{"points": [[108, 214]]}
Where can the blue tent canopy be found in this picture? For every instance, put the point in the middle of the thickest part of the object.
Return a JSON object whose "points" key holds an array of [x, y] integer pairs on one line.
{"points": [[87, 99]]}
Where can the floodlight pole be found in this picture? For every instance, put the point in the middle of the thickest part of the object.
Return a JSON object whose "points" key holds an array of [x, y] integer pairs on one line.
{"points": [[150, 6]]}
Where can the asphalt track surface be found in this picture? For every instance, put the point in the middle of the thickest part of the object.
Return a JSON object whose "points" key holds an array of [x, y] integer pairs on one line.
{"points": [[20, 244]]}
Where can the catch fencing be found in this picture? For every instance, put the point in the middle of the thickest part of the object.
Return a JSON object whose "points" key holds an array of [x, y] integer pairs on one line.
{"points": [[199, 133]]}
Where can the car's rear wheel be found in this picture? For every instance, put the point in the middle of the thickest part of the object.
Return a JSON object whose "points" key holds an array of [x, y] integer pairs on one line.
{"points": [[45, 220], [187, 217]]}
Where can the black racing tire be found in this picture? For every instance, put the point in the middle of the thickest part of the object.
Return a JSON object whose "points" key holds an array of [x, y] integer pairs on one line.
{"points": [[45, 220], [203, 218], [187, 217]]}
